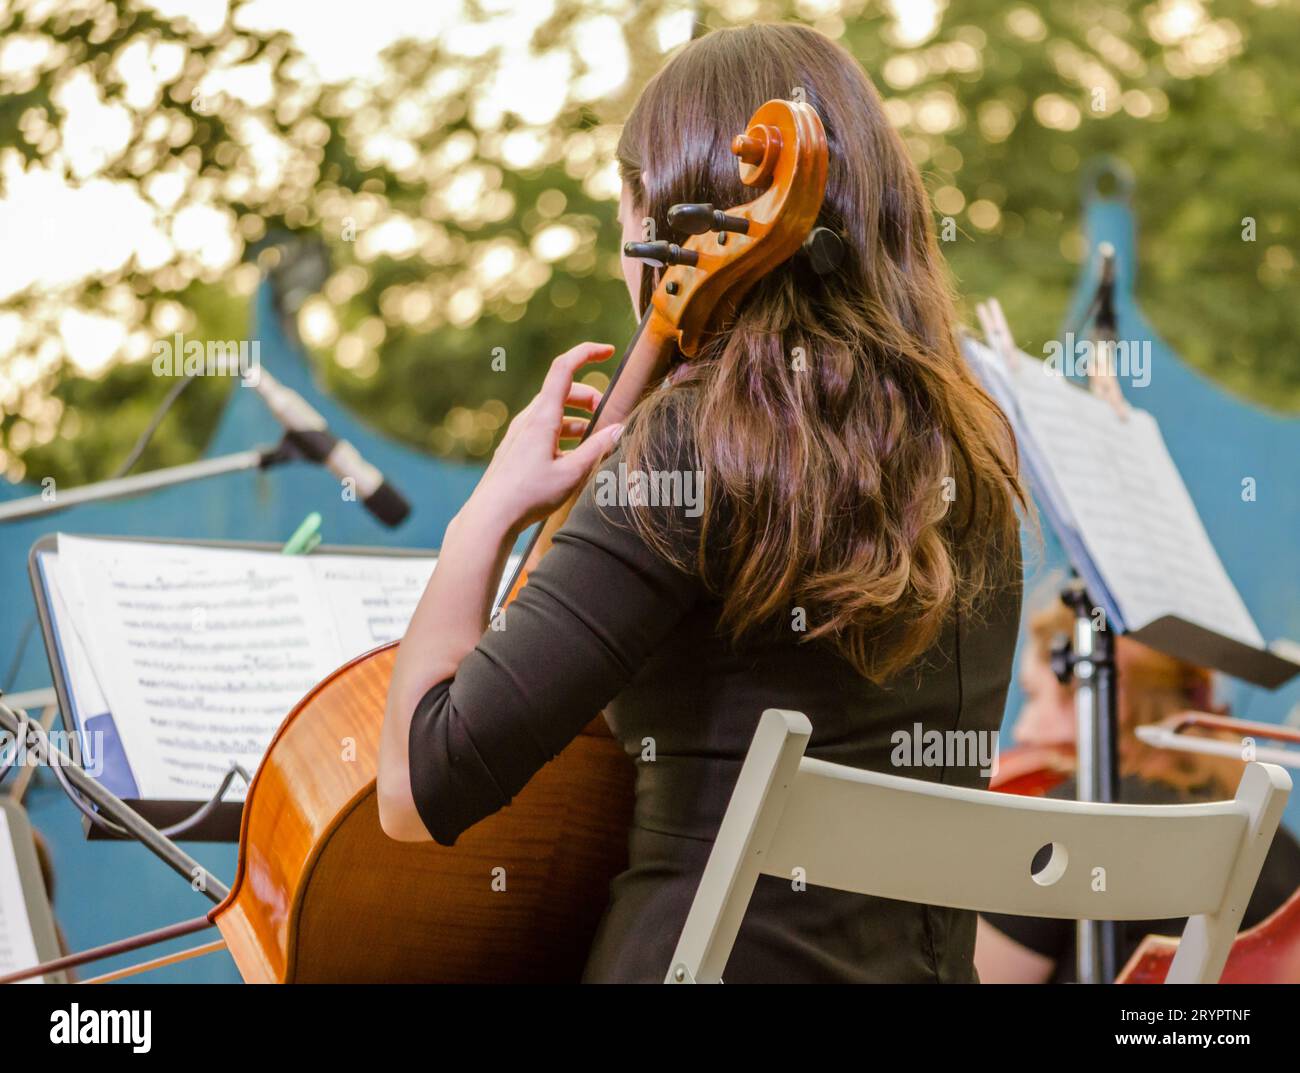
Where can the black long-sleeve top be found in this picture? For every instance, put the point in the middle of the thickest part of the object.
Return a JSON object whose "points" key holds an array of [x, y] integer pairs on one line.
{"points": [[607, 623]]}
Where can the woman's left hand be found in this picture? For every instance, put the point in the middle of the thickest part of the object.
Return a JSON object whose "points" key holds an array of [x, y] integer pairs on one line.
{"points": [[529, 476]]}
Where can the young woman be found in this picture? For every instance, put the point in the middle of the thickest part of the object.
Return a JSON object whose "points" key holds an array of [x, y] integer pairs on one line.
{"points": [[856, 557]]}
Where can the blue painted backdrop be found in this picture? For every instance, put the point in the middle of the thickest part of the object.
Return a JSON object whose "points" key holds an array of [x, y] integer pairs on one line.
{"points": [[1216, 440]]}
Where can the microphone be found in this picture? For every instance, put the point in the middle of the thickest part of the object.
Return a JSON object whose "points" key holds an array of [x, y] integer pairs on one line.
{"points": [[307, 431]]}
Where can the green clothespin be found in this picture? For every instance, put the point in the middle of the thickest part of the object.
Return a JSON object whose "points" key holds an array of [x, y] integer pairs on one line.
{"points": [[305, 537]]}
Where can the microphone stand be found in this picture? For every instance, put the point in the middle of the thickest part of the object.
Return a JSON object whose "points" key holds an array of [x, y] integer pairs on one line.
{"points": [[1090, 659], [120, 487], [29, 734]]}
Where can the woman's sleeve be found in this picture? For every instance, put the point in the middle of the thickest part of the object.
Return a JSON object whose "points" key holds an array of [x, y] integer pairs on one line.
{"points": [[599, 603]]}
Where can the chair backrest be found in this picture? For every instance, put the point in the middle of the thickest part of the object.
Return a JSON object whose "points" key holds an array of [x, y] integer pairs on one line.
{"points": [[863, 831]]}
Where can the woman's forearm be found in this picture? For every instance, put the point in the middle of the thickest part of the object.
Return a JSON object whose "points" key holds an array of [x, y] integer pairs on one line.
{"points": [[448, 622], [528, 478]]}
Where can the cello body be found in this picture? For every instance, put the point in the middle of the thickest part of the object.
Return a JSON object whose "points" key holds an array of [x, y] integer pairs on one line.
{"points": [[1033, 770], [321, 895], [1268, 953]]}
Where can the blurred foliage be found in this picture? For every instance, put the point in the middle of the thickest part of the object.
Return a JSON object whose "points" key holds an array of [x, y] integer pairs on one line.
{"points": [[460, 229]]}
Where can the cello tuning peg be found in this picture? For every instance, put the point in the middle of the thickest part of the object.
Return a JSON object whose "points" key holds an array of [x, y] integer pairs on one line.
{"points": [[696, 219], [824, 250], [660, 253]]}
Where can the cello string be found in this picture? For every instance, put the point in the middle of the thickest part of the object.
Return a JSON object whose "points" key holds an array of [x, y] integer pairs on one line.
{"points": [[521, 567], [159, 962]]}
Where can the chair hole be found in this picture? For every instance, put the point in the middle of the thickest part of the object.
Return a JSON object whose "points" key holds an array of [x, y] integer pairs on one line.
{"points": [[1049, 864]]}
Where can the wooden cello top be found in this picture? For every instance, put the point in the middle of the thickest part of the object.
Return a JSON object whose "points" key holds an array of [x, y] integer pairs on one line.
{"points": [[322, 895]]}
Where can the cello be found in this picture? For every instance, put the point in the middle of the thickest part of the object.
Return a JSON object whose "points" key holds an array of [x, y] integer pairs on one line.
{"points": [[1268, 953], [1033, 770], [320, 893]]}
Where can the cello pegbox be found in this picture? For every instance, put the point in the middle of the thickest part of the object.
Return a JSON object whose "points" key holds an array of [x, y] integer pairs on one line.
{"points": [[784, 154]]}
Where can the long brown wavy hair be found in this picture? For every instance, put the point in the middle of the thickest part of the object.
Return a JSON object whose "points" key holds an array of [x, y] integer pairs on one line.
{"points": [[852, 465]]}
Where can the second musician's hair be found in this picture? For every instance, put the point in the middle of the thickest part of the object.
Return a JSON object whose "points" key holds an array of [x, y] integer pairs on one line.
{"points": [[853, 467]]}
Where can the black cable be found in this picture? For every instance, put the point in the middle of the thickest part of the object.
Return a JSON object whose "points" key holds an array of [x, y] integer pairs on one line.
{"points": [[191, 821], [194, 819], [143, 441], [19, 743], [21, 651]]}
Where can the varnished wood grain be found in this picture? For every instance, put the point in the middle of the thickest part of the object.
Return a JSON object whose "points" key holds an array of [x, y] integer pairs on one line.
{"points": [[1268, 953], [322, 895]]}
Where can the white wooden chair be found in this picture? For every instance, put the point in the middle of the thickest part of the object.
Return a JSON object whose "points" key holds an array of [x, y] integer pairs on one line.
{"points": [[916, 841]]}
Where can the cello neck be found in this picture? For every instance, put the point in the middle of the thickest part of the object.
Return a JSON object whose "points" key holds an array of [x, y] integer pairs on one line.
{"points": [[644, 363]]}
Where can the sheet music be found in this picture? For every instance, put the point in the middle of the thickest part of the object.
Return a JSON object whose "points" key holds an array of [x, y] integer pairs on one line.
{"points": [[17, 944], [1126, 499], [200, 653], [66, 600], [370, 600], [999, 380]]}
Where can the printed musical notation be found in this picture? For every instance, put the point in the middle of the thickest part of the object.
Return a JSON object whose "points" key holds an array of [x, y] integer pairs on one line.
{"points": [[370, 600], [1132, 508], [201, 652]]}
